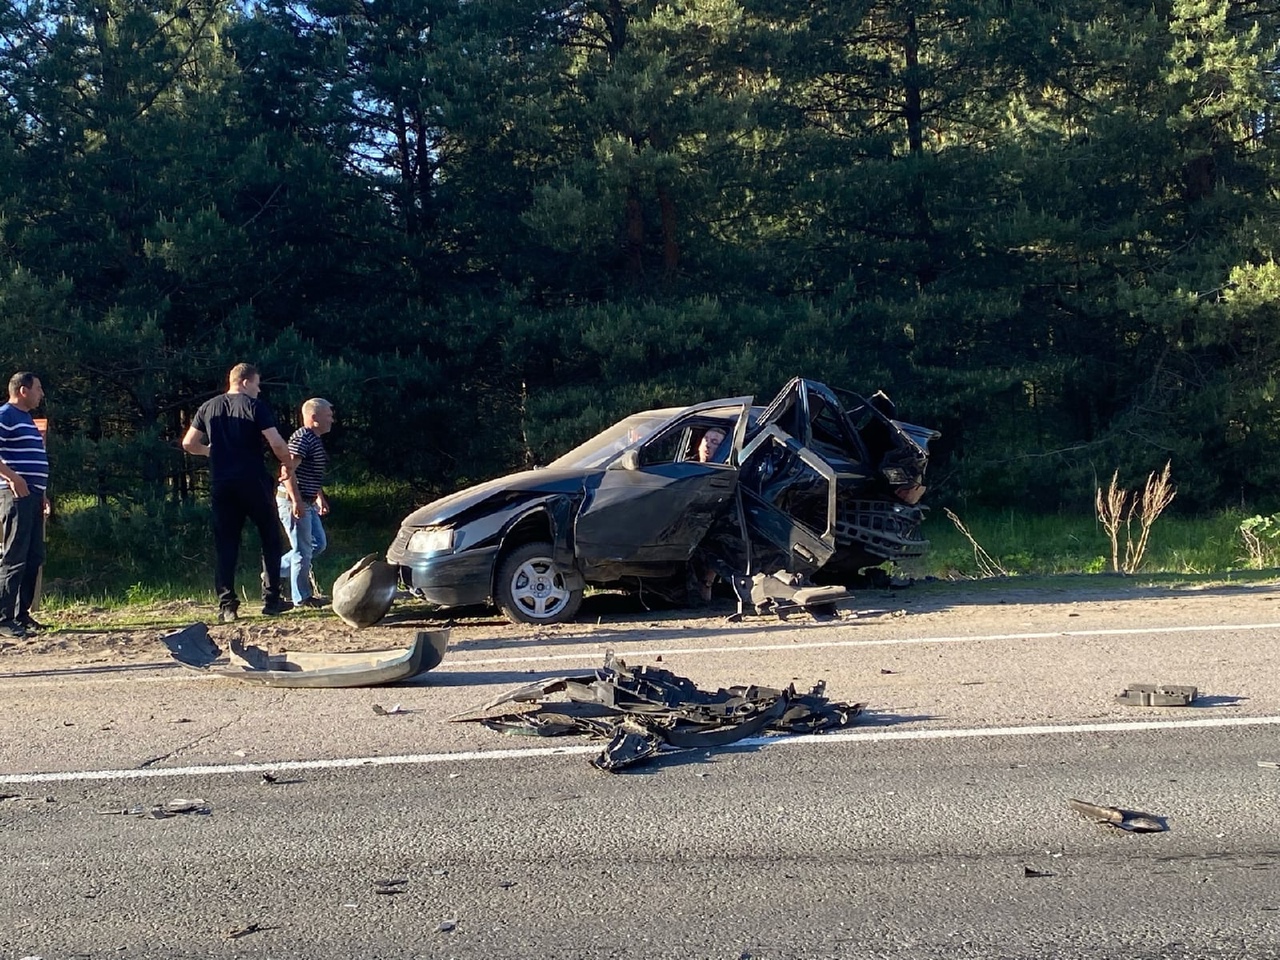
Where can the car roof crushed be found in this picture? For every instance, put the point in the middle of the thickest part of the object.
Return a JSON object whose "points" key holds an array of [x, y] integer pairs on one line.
{"points": [[644, 711]]}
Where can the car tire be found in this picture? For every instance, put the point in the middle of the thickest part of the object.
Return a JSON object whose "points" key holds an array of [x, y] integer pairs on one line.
{"points": [[531, 587]]}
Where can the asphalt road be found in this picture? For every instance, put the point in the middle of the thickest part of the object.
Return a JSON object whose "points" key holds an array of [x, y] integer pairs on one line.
{"points": [[938, 829]]}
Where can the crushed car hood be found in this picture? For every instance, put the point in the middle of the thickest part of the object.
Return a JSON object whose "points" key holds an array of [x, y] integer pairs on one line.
{"points": [[513, 487]]}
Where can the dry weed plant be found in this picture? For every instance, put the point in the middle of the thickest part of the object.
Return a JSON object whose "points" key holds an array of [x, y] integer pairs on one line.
{"points": [[988, 566], [1117, 509], [1258, 534]]}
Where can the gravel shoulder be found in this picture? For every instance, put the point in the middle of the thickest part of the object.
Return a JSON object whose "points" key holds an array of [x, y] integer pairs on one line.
{"points": [[89, 636]]}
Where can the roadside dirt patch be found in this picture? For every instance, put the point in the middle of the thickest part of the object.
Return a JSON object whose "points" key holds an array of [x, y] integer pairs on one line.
{"points": [[93, 636]]}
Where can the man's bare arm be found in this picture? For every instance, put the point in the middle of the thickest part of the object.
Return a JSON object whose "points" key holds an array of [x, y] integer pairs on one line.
{"points": [[194, 443], [280, 449]]}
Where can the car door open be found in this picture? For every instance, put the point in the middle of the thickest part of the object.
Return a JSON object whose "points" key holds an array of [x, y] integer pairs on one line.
{"points": [[651, 508]]}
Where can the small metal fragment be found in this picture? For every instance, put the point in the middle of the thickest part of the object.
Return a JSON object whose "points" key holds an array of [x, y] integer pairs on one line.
{"points": [[1096, 812], [1131, 820], [183, 805], [1157, 695]]}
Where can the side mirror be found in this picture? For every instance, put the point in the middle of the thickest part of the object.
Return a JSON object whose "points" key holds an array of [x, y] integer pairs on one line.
{"points": [[629, 460]]}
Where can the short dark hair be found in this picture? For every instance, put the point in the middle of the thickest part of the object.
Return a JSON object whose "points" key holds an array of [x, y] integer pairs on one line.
{"points": [[23, 378], [242, 371]]}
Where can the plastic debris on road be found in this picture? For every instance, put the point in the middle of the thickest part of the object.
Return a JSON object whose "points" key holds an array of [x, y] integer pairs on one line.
{"points": [[644, 711]]}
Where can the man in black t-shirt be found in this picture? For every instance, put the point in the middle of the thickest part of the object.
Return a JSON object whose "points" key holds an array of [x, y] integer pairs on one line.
{"points": [[229, 430]]}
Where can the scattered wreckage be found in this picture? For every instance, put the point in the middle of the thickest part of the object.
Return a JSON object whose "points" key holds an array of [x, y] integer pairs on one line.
{"points": [[1131, 821], [819, 480], [363, 594], [195, 649], [1157, 695], [644, 711]]}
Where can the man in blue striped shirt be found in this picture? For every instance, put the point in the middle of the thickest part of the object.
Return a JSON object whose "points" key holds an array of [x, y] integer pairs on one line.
{"points": [[24, 470], [301, 502]]}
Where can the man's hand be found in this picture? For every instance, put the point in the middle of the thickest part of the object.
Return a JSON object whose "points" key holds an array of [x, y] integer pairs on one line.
{"points": [[322, 504], [298, 508], [20, 488]]}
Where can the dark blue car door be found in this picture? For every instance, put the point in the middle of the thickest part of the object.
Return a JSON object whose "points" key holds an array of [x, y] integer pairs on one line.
{"points": [[654, 504]]}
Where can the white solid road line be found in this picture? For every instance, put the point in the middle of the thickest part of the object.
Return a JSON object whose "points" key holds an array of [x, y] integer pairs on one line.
{"points": [[461, 663], [848, 736]]}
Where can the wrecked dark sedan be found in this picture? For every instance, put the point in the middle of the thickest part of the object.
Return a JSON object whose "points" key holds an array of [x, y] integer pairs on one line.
{"points": [[818, 479]]}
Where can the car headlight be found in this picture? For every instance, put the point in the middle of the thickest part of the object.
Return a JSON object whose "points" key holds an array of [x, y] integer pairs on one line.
{"points": [[431, 540]]}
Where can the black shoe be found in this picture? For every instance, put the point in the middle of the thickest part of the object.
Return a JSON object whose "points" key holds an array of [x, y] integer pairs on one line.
{"points": [[273, 607], [12, 630], [311, 603], [30, 623], [228, 615]]}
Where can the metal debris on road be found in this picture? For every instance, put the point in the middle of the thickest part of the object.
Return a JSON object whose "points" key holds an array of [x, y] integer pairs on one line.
{"points": [[1132, 821], [782, 594], [1271, 764], [446, 925], [388, 711], [644, 711], [243, 931], [163, 811], [1157, 695], [1033, 874]]}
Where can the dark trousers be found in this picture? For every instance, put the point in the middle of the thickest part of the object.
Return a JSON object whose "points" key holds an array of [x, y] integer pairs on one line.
{"points": [[233, 504], [21, 551]]}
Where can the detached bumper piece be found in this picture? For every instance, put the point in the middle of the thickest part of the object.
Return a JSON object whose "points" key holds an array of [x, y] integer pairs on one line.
{"points": [[196, 650], [645, 711], [1156, 695]]}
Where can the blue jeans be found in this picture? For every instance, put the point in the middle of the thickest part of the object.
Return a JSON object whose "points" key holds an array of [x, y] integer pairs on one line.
{"points": [[306, 540]]}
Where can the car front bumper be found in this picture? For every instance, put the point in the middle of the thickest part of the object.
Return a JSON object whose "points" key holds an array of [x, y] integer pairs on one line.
{"points": [[450, 579]]}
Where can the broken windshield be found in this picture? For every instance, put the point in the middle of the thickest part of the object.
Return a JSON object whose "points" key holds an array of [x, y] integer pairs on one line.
{"points": [[604, 446]]}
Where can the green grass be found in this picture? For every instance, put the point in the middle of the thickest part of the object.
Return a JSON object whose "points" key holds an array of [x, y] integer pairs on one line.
{"points": [[119, 556], [122, 555], [1045, 545]]}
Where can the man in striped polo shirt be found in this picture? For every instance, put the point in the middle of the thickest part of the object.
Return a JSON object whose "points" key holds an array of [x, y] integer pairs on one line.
{"points": [[24, 467], [301, 502]]}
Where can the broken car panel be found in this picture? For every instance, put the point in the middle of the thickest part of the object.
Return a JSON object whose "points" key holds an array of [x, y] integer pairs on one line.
{"points": [[643, 711], [194, 649], [818, 480]]}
